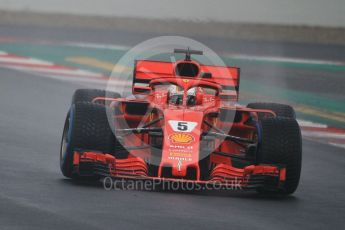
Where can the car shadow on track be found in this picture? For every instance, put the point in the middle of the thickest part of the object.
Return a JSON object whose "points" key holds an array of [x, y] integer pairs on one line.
{"points": [[240, 194], [82, 182]]}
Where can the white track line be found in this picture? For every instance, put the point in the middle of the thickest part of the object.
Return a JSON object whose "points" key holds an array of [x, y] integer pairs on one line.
{"points": [[337, 145], [96, 45], [88, 80], [71, 72], [235, 56], [284, 59], [20, 60], [304, 123], [226, 54], [58, 72], [38, 66], [325, 135]]}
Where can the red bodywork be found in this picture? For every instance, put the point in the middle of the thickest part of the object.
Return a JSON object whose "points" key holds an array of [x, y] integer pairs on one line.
{"points": [[149, 129]]}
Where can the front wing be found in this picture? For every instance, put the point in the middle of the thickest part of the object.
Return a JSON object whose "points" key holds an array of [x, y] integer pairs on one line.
{"points": [[134, 168]]}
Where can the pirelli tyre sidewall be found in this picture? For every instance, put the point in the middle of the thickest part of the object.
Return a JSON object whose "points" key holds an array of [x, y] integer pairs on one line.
{"points": [[281, 144], [86, 129], [66, 149]]}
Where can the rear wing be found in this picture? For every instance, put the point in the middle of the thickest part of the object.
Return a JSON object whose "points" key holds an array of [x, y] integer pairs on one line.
{"points": [[146, 70]]}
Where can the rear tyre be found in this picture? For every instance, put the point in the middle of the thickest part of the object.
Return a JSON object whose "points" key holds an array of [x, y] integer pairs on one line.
{"points": [[280, 110], [86, 128], [87, 95], [281, 143]]}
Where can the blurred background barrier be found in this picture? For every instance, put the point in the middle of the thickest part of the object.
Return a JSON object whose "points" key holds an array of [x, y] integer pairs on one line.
{"points": [[293, 12], [315, 21]]}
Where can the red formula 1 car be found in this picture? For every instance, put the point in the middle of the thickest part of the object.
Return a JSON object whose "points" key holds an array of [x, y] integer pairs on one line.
{"points": [[184, 126]]}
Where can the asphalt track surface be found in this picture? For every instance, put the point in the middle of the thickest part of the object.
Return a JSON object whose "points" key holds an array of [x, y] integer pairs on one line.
{"points": [[35, 195]]}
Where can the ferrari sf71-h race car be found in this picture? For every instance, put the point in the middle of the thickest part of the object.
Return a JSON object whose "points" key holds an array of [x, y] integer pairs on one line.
{"points": [[184, 125]]}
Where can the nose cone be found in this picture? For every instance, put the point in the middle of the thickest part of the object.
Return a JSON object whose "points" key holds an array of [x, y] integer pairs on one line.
{"points": [[181, 144]]}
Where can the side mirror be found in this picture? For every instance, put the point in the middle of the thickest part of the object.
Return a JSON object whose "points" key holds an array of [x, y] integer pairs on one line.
{"points": [[141, 90], [206, 75]]}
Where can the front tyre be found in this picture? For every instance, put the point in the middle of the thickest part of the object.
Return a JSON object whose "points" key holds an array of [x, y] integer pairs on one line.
{"points": [[281, 144], [86, 128]]}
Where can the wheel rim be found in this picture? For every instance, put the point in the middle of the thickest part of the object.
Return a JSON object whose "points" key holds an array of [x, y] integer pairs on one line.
{"points": [[65, 140]]}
